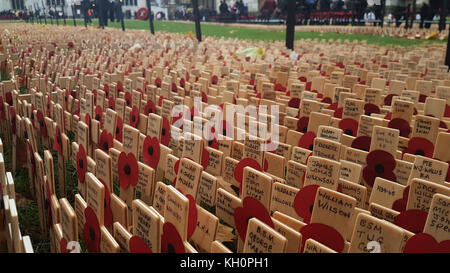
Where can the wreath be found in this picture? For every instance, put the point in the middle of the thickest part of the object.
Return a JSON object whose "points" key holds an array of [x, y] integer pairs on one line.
{"points": [[142, 14]]}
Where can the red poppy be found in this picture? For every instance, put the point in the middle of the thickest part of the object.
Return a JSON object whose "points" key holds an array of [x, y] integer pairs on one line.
{"points": [[401, 125], [151, 151], [119, 87], [158, 82], [106, 89], [370, 108], [150, 108], [304, 201], [379, 164], [323, 234], [57, 143], [447, 111], [204, 97], [138, 245], [214, 79], [307, 141], [48, 204], [81, 163], [12, 114], [362, 143], [327, 100], [239, 170], [128, 170], [182, 82], [388, 99], [91, 231], [338, 112], [349, 126], [99, 114], [111, 103], [106, 141], [134, 117], [205, 158], [94, 93], [66, 99], [128, 99], [412, 220], [420, 146], [279, 87], [250, 208], [87, 119], [333, 106], [308, 86], [425, 243], [165, 132], [42, 125], [302, 124], [2, 109], [192, 216], [171, 241], [422, 98], [107, 211], [302, 79], [294, 102], [119, 129], [63, 246], [400, 204]]}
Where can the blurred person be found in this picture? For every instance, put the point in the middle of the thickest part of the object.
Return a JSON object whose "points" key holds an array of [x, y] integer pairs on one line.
{"points": [[267, 9]]}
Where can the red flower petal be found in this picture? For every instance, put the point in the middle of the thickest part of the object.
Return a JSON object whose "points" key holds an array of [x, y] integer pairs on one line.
{"points": [[165, 132], [138, 245], [106, 141], [447, 111], [302, 124], [205, 158], [250, 208], [422, 98], [42, 125], [171, 241], [239, 170], [128, 99], [127, 170], [420, 146], [294, 102], [158, 82], [81, 163], [307, 140], [323, 234], [304, 201], [388, 99], [134, 117], [425, 243], [338, 112], [370, 108], [151, 151], [333, 106], [362, 143], [327, 100], [57, 143], [214, 79], [349, 126], [192, 217], [150, 108], [63, 246], [204, 97], [412, 220], [119, 129], [400, 204], [402, 125], [91, 231]]}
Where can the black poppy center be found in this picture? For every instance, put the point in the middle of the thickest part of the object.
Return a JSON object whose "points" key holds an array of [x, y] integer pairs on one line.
{"points": [[127, 169], [133, 118], [379, 168], [92, 234], [150, 111], [311, 208], [41, 123], [128, 102], [105, 146], [419, 152], [117, 130], [304, 129], [97, 117], [311, 147], [150, 150], [58, 139], [349, 132], [32, 115], [163, 131], [80, 163], [170, 248], [210, 142], [224, 132]]}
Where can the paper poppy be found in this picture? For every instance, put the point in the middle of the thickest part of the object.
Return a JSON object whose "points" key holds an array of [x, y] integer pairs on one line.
{"points": [[94, 93], [2, 109], [294, 102], [87, 120], [119, 129], [239, 169], [412, 220], [370, 108], [425, 243], [182, 82], [279, 87], [205, 158], [307, 140], [8, 98], [338, 112], [63, 246], [214, 79], [447, 111], [304, 202], [150, 108], [106, 141], [362, 143], [420, 146], [165, 132], [192, 216], [57, 142], [401, 125], [99, 114], [138, 245], [308, 86], [171, 241], [158, 82], [12, 114], [127, 170], [106, 89], [400, 204], [250, 208], [379, 164], [151, 151], [422, 98], [134, 117], [326, 100], [349, 126], [107, 211], [323, 234], [119, 87], [128, 99], [81, 163], [111, 103], [388, 99], [91, 231], [302, 124], [42, 125]]}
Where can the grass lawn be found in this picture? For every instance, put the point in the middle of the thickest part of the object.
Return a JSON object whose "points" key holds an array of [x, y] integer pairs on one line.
{"points": [[245, 33]]}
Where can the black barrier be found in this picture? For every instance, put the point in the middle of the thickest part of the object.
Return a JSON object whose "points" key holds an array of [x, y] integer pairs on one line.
{"points": [[43, 11], [198, 30], [73, 16], [290, 24], [150, 17]]}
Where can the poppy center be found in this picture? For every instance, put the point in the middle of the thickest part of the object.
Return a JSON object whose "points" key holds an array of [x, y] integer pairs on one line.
{"points": [[80, 163], [128, 102], [150, 150], [97, 117], [58, 139], [311, 208], [311, 147], [133, 118], [92, 234], [170, 248], [210, 142], [117, 130], [304, 129], [41, 123], [105, 146], [163, 131], [32, 115], [224, 132], [127, 169], [420, 152], [349, 132], [150, 111], [379, 168]]}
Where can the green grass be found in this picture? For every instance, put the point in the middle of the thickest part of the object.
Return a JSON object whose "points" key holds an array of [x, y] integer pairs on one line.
{"points": [[245, 33]]}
